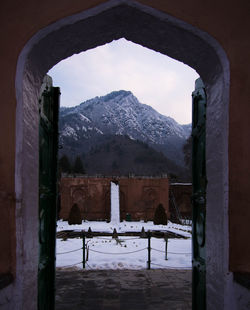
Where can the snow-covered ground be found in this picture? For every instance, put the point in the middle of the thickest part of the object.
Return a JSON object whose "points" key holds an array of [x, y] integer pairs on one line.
{"points": [[124, 226], [128, 252]]}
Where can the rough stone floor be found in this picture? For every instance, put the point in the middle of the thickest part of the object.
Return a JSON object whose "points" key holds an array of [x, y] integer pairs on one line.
{"points": [[123, 289]]}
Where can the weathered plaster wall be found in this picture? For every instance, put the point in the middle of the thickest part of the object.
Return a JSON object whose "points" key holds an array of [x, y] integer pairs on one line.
{"points": [[138, 196], [141, 196], [92, 196], [226, 21]]}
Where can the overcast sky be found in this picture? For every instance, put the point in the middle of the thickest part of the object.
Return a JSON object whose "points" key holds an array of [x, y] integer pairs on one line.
{"points": [[153, 78]]}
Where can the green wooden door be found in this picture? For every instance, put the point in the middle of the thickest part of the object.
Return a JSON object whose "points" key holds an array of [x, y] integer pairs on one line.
{"points": [[199, 195], [48, 141]]}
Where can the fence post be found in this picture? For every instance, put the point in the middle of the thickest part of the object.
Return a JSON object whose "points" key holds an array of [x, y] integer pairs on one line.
{"points": [[149, 249], [83, 250], [166, 247], [87, 256]]}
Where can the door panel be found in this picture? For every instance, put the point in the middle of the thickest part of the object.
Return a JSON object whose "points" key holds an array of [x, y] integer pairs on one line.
{"points": [[199, 195], [48, 140]]}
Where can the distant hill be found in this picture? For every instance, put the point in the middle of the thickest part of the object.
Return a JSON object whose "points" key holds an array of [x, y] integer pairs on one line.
{"points": [[89, 129], [121, 155]]}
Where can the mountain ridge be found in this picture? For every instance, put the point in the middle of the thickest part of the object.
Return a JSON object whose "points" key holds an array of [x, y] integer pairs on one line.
{"points": [[120, 113]]}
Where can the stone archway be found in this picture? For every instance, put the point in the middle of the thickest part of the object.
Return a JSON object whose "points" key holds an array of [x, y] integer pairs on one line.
{"points": [[155, 30]]}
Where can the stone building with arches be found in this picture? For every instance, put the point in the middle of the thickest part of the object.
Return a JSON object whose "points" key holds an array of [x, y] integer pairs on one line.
{"points": [[210, 36]]}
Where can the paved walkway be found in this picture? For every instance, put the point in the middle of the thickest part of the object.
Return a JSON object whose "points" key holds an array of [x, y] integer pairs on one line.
{"points": [[159, 289]]}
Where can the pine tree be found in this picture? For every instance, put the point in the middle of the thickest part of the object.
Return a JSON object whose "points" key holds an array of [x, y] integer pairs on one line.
{"points": [[64, 164], [78, 166], [75, 215], [114, 165], [160, 216]]}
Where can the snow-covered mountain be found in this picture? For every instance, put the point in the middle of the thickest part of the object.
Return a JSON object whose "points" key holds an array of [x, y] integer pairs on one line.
{"points": [[120, 113]]}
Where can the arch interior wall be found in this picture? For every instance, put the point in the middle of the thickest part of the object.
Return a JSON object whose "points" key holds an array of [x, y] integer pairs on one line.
{"points": [[160, 32]]}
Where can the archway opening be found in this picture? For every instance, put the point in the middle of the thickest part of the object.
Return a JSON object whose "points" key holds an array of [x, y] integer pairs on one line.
{"points": [[150, 79], [93, 130]]}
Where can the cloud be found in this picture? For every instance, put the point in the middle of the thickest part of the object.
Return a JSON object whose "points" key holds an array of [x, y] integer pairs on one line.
{"points": [[155, 79]]}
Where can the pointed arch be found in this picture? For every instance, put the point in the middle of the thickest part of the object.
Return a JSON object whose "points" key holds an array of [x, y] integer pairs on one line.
{"points": [[155, 30]]}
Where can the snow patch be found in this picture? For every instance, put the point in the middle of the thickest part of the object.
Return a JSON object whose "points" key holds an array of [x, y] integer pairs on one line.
{"points": [[84, 118], [68, 131]]}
